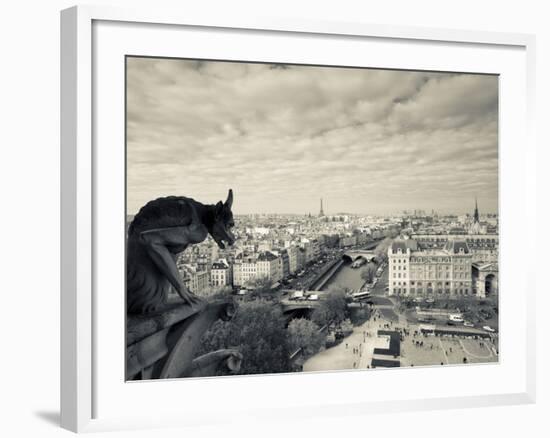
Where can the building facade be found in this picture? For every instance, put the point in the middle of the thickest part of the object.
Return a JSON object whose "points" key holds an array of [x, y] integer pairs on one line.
{"points": [[484, 247], [485, 279], [445, 272], [346, 241], [269, 266], [196, 280], [259, 265], [292, 259], [220, 274], [244, 269]]}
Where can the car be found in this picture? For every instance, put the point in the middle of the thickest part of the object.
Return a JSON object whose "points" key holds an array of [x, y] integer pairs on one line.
{"points": [[468, 324], [456, 317], [489, 329], [430, 300]]}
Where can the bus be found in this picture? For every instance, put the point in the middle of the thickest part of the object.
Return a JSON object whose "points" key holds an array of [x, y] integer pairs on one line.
{"points": [[357, 296]]}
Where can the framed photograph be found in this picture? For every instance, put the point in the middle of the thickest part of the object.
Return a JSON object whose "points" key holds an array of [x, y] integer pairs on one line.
{"points": [[251, 206]]}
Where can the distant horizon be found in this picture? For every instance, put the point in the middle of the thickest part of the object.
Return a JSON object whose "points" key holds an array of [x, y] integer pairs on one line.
{"points": [[283, 136], [340, 213]]}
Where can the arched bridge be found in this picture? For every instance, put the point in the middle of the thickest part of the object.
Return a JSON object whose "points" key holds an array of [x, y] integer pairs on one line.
{"points": [[299, 305], [354, 255], [298, 309]]}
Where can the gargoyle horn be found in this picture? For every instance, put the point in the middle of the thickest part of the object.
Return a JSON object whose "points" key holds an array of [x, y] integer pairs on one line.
{"points": [[229, 201]]}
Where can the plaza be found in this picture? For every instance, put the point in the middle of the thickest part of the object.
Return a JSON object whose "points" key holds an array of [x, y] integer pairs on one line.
{"points": [[418, 347]]}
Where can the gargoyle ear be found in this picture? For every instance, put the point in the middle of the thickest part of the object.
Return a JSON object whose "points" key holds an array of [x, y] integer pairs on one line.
{"points": [[219, 209], [229, 201]]}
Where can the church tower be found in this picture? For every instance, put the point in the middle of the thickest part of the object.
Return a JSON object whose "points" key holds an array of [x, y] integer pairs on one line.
{"points": [[321, 213], [475, 226]]}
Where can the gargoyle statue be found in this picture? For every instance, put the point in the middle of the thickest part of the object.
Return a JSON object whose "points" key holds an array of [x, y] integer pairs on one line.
{"points": [[161, 230]]}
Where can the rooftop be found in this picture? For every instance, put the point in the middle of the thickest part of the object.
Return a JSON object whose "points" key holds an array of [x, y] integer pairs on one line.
{"points": [[457, 247]]}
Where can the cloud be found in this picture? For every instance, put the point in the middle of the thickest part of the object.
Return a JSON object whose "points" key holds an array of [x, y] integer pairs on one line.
{"points": [[364, 140]]}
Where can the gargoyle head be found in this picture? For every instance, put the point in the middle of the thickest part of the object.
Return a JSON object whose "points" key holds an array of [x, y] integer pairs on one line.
{"points": [[223, 222]]}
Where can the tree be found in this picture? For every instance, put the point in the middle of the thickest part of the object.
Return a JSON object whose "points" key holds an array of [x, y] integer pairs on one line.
{"points": [[304, 334], [333, 309], [214, 293], [368, 273], [261, 287], [346, 326], [381, 249], [258, 331]]}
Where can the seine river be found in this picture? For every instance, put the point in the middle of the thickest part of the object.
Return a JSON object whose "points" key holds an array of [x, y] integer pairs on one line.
{"points": [[346, 277]]}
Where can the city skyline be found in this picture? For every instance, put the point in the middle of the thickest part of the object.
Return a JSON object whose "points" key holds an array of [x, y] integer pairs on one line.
{"points": [[366, 141], [313, 214]]}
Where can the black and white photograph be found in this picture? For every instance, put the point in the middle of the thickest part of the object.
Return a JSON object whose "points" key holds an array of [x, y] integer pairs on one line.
{"points": [[287, 218]]}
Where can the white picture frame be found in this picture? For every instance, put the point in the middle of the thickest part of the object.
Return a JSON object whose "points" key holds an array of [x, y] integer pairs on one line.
{"points": [[90, 401]]}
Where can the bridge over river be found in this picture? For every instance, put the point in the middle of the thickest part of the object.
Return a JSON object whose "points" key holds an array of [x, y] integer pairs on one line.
{"points": [[333, 270], [338, 273], [354, 255]]}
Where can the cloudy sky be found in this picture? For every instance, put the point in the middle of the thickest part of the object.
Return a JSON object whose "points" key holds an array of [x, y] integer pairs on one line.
{"points": [[365, 140]]}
